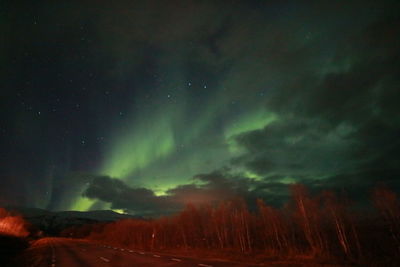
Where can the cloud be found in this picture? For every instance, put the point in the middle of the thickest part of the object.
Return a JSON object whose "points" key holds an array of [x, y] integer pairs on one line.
{"points": [[121, 196], [331, 83], [208, 188], [338, 131], [329, 72], [297, 147]]}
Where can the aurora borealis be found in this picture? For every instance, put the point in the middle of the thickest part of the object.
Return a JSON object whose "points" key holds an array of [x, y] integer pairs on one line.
{"points": [[142, 106]]}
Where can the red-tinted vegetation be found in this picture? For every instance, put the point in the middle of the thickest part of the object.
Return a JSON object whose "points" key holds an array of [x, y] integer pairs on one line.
{"points": [[13, 225], [315, 227], [13, 233]]}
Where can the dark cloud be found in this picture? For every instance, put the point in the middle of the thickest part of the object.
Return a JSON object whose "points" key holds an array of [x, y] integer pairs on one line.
{"points": [[121, 196], [338, 131], [210, 188], [296, 147]]}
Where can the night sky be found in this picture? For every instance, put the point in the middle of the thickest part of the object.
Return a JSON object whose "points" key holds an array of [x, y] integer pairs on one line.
{"points": [[142, 106]]}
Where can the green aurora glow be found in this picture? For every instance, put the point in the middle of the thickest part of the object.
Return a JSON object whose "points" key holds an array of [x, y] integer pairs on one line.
{"points": [[149, 153], [153, 95]]}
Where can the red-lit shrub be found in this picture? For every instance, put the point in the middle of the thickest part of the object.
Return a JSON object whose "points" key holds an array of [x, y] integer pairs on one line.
{"points": [[12, 225]]}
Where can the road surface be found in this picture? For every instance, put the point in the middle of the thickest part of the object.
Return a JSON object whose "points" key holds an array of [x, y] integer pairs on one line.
{"points": [[62, 252]]}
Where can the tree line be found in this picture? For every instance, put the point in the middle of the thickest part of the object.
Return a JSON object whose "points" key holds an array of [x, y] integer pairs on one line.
{"points": [[323, 226]]}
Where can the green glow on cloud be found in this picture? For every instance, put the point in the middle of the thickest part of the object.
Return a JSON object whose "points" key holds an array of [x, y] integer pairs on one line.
{"points": [[287, 180], [250, 122], [247, 122], [120, 211], [252, 175]]}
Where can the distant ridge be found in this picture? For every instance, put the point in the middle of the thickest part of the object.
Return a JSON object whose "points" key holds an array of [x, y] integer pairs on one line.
{"points": [[102, 215], [53, 222]]}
